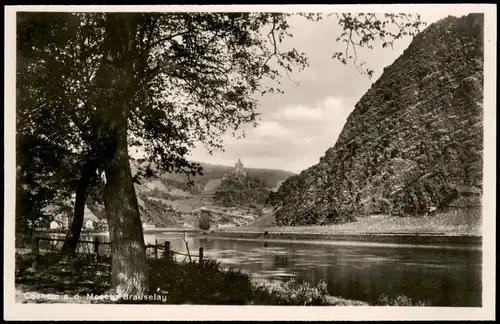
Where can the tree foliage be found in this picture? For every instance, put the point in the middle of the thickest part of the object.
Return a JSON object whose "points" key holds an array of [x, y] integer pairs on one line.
{"points": [[366, 29], [204, 222], [241, 191], [44, 174]]}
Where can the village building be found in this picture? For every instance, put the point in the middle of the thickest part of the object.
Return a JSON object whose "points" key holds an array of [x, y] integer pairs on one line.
{"points": [[60, 216], [103, 225], [65, 220], [89, 224], [90, 221], [148, 225], [55, 225], [63, 216]]}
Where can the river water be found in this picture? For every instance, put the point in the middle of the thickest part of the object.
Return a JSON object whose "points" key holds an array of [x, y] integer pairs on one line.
{"points": [[445, 276]]}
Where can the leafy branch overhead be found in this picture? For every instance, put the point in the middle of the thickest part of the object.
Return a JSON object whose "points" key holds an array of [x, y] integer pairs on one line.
{"points": [[366, 29]]}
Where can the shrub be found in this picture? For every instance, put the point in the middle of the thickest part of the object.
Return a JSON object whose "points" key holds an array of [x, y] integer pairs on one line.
{"points": [[400, 300], [195, 283], [204, 222], [206, 283], [295, 293], [292, 293]]}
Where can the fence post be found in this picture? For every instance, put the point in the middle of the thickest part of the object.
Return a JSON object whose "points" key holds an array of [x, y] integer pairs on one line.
{"points": [[166, 254], [96, 249], [156, 249], [36, 251], [200, 255]]}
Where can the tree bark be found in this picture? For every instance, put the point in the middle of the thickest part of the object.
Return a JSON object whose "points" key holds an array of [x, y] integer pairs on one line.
{"points": [[129, 264], [73, 236]]}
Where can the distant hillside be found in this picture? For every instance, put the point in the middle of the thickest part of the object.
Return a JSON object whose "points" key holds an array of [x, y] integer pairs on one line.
{"points": [[166, 199], [270, 177]]}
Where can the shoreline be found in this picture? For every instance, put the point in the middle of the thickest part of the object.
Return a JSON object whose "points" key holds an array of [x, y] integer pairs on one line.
{"points": [[395, 238], [439, 240], [403, 239]]}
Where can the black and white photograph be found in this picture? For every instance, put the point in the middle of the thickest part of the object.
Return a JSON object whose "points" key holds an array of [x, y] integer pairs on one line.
{"points": [[279, 160]]}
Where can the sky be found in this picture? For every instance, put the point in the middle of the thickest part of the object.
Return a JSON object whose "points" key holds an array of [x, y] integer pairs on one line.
{"points": [[297, 127]]}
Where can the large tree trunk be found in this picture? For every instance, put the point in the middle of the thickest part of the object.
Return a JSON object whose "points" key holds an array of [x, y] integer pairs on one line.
{"points": [[129, 263], [73, 236]]}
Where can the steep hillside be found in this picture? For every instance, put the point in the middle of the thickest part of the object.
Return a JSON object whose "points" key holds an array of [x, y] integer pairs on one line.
{"points": [[414, 141]]}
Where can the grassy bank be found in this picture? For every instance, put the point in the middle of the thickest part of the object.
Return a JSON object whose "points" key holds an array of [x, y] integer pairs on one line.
{"points": [[451, 223], [452, 228], [173, 282]]}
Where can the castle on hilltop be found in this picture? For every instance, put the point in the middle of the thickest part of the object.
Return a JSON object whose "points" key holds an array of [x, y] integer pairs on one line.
{"points": [[238, 171]]}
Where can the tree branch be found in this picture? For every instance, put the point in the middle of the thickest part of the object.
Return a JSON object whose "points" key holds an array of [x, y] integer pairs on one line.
{"points": [[272, 38], [168, 38]]}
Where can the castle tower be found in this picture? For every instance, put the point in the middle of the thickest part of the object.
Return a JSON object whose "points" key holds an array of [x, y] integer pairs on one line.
{"points": [[238, 168]]}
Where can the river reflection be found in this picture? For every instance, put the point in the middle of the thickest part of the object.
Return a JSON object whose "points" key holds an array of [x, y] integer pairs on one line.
{"points": [[446, 277]]}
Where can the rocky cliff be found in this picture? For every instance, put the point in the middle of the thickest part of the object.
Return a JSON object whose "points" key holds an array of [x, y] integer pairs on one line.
{"points": [[414, 141]]}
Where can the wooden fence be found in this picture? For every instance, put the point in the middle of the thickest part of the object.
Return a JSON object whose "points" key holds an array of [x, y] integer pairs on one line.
{"points": [[165, 247]]}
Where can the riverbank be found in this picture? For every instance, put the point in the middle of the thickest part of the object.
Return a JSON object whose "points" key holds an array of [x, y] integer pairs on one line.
{"points": [[392, 238], [441, 229], [451, 223], [172, 282]]}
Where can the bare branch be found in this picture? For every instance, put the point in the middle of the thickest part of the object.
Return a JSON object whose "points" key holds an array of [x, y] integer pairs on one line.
{"points": [[276, 53]]}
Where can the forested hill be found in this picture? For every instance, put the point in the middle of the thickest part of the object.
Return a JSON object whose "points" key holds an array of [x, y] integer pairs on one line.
{"points": [[241, 191], [413, 142], [270, 177]]}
